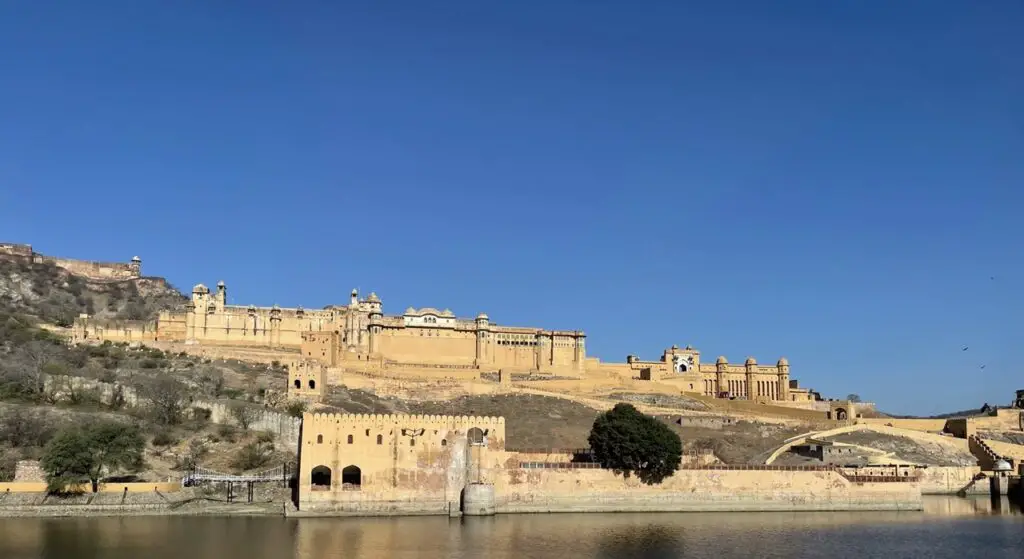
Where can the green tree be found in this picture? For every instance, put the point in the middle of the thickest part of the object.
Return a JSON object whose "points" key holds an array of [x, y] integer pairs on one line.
{"points": [[84, 453], [66, 460], [629, 442]]}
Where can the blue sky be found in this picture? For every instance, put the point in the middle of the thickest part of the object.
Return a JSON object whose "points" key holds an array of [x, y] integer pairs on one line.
{"points": [[836, 182]]}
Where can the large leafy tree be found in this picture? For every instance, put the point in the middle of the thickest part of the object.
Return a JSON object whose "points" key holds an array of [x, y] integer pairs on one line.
{"points": [[84, 453], [629, 442]]}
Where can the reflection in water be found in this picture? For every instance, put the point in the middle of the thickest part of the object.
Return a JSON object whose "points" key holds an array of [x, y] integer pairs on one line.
{"points": [[949, 527]]}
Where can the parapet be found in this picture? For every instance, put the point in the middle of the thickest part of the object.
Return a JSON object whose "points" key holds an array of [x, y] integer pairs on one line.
{"points": [[356, 418]]}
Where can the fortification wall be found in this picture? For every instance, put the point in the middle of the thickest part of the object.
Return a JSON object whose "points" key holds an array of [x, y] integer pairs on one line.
{"points": [[133, 487], [597, 490], [924, 425], [428, 345], [258, 355], [1004, 420], [934, 480], [284, 426], [16, 250], [413, 464], [93, 270]]}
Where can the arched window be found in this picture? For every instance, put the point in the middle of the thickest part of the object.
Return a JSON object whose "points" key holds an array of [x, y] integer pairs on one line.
{"points": [[444, 442], [312, 384], [351, 478], [412, 442], [476, 436], [321, 478], [380, 439], [319, 439], [350, 439], [298, 383]]}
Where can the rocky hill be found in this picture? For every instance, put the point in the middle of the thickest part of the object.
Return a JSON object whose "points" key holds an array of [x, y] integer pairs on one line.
{"points": [[55, 295]]}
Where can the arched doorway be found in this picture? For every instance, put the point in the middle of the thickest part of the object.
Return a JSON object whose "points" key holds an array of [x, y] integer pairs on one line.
{"points": [[476, 436], [351, 478], [298, 383], [841, 414], [320, 478]]}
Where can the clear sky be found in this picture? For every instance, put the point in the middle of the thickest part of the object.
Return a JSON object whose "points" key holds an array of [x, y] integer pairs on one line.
{"points": [[837, 182]]}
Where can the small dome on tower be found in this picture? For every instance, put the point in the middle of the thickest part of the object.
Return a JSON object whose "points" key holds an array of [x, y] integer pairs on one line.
{"points": [[373, 298], [783, 361], [751, 361], [722, 360], [200, 288], [1002, 466], [482, 316], [220, 283], [355, 292], [136, 259]]}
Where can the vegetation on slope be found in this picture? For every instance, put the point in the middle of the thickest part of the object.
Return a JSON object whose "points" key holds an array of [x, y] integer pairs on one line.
{"points": [[56, 296], [48, 387]]}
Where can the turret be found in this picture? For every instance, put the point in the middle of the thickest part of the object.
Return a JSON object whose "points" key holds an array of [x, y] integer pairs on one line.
{"points": [[376, 318], [136, 266], [783, 368], [581, 350], [275, 326], [354, 300], [751, 367], [721, 364], [374, 302], [483, 327], [222, 295]]}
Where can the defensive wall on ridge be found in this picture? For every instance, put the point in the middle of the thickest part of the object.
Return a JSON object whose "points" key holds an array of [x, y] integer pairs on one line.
{"points": [[93, 270]]}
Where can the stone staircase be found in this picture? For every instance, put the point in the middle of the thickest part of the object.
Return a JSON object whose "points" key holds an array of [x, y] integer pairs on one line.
{"points": [[987, 457]]}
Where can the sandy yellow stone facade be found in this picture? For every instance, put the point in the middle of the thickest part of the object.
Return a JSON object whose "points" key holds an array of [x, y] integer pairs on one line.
{"points": [[360, 336], [97, 271], [354, 464]]}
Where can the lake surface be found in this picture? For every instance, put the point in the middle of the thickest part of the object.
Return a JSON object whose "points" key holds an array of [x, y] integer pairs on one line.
{"points": [[950, 527]]}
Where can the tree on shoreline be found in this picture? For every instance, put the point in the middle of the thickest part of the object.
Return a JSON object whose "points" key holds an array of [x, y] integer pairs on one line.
{"points": [[82, 454], [629, 442]]}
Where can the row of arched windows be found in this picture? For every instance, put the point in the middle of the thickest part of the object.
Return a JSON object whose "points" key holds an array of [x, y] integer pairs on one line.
{"points": [[351, 478]]}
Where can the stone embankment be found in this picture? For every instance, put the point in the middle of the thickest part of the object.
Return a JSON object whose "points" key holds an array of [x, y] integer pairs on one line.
{"points": [[156, 503]]}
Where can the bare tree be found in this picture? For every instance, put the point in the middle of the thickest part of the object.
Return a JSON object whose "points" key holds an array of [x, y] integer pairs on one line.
{"points": [[31, 360], [244, 415], [211, 380], [167, 398], [23, 427]]}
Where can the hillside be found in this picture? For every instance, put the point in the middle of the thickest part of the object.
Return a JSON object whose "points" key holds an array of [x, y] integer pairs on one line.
{"points": [[57, 296]]}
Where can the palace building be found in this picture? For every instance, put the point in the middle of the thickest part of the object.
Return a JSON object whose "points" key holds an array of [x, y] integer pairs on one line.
{"points": [[360, 336]]}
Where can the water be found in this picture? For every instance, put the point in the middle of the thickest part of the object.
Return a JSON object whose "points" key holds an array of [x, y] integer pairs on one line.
{"points": [[950, 527]]}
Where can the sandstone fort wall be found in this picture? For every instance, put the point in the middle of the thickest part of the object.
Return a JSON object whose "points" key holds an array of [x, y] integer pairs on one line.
{"points": [[85, 268]]}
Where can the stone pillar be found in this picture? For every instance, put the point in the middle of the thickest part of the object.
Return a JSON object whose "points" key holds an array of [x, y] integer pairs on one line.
{"points": [[190, 322], [457, 474]]}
